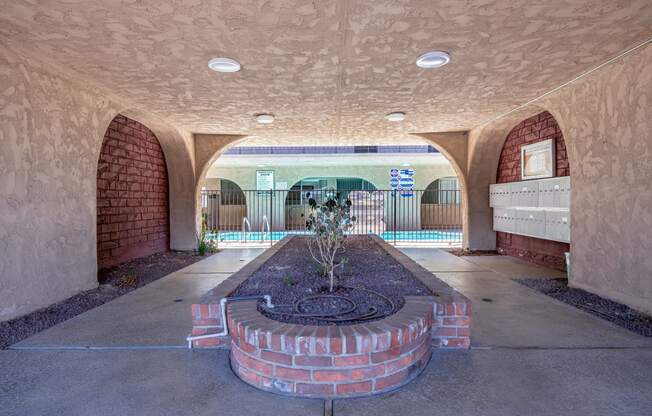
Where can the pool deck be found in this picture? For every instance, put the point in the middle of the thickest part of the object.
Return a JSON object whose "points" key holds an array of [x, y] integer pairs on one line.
{"points": [[530, 355]]}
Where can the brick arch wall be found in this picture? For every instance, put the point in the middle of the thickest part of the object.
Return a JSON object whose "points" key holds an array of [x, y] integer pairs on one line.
{"points": [[132, 194], [543, 126]]}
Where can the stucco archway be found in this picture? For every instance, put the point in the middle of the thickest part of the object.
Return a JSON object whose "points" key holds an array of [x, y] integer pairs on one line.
{"points": [[441, 205], [223, 204], [179, 161], [176, 145], [454, 146], [208, 148], [542, 126], [132, 194], [485, 146], [296, 200]]}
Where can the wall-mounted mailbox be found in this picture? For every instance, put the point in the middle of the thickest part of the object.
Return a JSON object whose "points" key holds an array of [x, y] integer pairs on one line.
{"points": [[531, 222], [499, 195], [555, 192], [537, 208], [558, 225], [524, 194], [504, 220]]}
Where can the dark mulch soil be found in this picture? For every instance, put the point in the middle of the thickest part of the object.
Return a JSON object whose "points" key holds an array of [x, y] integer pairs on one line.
{"points": [[292, 274], [460, 252], [615, 312], [114, 282]]}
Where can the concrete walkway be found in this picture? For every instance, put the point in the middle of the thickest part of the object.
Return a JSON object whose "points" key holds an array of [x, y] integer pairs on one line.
{"points": [[157, 315], [531, 355], [507, 314]]}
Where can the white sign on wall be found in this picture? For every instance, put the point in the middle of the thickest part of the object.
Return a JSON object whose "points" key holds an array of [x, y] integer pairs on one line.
{"points": [[264, 181]]}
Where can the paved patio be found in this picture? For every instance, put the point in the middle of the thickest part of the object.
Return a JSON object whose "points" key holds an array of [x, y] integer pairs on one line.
{"points": [[531, 355]]}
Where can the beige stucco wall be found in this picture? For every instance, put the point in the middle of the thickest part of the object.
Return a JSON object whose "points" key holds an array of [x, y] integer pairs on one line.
{"points": [[51, 130], [51, 133], [606, 119], [378, 175]]}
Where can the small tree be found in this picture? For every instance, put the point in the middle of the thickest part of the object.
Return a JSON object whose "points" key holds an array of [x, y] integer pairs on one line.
{"points": [[329, 222]]}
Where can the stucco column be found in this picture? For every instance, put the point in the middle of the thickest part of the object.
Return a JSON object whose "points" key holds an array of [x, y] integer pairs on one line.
{"points": [[178, 148], [455, 147], [208, 147]]}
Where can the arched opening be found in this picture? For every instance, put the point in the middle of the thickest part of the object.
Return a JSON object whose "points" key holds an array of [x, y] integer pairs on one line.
{"points": [[321, 189], [132, 194], [223, 205], [434, 216], [540, 128], [208, 149], [385, 188], [441, 207]]}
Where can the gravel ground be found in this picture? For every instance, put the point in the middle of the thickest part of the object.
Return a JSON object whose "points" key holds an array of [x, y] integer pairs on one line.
{"points": [[615, 312], [292, 274], [114, 282]]}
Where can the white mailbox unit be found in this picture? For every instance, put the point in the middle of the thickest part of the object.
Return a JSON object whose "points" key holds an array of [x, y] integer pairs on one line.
{"points": [[537, 208]]}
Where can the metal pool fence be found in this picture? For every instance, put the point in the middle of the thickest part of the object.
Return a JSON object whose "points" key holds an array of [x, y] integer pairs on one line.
{"points": [[414, 216]]}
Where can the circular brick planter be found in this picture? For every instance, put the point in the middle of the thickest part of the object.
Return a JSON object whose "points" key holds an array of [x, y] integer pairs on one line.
{"points": [[330, 361]]}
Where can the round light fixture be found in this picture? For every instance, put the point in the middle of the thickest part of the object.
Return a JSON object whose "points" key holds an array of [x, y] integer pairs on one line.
{"points": [[396, 116], [265, 118], [433, 59], [224, 65]]}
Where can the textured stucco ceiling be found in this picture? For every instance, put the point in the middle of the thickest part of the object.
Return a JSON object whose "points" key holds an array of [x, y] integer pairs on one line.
{"points": [[329, 70]]}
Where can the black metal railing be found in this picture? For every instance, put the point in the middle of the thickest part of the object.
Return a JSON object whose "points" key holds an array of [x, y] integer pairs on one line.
{"points": [[414, 216]]}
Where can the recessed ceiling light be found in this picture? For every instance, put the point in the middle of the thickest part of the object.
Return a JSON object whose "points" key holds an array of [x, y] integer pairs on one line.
{"points": [[224, 65], [265, 118], [396, 116], [433, 59], [405, 164]]}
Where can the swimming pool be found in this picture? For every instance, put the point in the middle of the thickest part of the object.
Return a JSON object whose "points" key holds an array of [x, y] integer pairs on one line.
{"points": [[402, 236]]}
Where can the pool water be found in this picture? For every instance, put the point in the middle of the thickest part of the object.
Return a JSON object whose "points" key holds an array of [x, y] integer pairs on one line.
{"points": [[415, 236]]}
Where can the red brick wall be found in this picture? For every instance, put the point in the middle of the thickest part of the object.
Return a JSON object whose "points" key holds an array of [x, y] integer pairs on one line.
{"points": [[534, 129], [132, 194]]}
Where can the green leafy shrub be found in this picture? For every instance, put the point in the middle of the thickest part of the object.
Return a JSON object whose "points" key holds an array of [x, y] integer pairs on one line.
{"points": [[205, 245]]}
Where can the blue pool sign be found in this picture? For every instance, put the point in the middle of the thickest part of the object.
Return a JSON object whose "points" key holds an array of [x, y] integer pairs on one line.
{"points": [[401, 180], [407, 182]]}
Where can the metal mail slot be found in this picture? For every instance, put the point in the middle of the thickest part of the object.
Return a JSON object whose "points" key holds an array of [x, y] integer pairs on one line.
{"points": [[524, 194], [504, 220], [499, 195], [531, 222], [554, 192], [558, 226]]}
